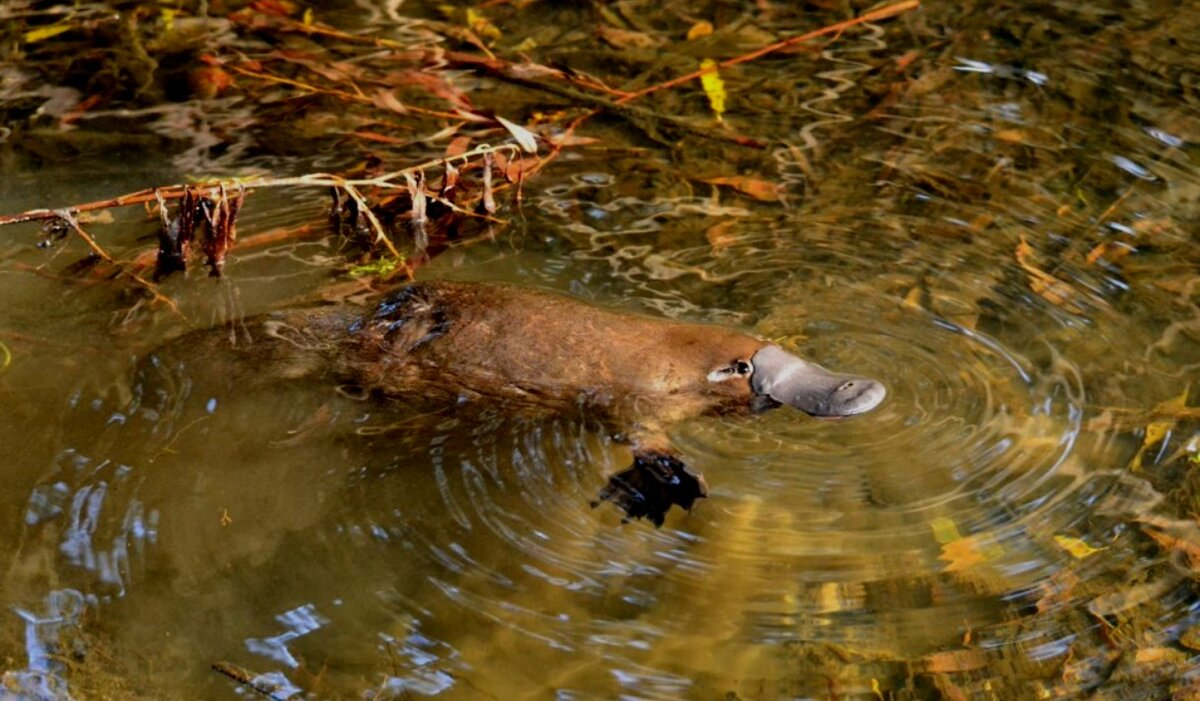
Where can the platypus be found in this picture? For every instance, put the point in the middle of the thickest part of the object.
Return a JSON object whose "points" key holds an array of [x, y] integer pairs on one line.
{"points": [[462, 341]]}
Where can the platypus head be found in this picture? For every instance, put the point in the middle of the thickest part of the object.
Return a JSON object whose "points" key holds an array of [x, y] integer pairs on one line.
{"points": [[777, 376]]}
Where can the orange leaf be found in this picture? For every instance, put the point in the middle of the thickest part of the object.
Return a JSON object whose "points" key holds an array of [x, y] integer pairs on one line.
{"points": [[700, 29], [458, 146], [961, 554], [955, 661], [381, 138], [722, 234], [758, 189]]}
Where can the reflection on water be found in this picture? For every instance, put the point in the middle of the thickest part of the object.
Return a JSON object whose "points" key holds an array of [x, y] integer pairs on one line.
{"points": [[991, 210]]}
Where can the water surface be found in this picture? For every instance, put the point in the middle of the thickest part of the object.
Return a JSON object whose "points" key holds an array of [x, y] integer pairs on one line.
{"points": [[992, 208]]}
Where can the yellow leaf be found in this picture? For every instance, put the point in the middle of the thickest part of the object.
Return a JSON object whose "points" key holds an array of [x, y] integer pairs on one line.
{"points": [[944, 530], [308, 17], [1078, 548], [962, 554], [41, 33], [912, 300], [482, 25], [700, 29], [713, 86], [1157, 430], [168, 18]]}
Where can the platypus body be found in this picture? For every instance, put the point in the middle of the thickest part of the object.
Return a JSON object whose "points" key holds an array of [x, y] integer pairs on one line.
{"points": [[473, 341]]}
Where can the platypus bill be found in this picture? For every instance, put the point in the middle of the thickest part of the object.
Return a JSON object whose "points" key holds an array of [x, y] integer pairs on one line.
{"points": [[637, 374]]}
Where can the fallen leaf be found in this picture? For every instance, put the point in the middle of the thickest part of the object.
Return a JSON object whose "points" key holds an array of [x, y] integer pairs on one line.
{"points": [[962, 554], [1011, 136], [944, 530], [1179, 536], [625, 38], [1157, 430], [1079, 549], [565, 139], [713, 86], [907, 58], [524, 137], [1131, 596], [380, 138], [700, 29], [721, 235], [758, 189], [457, 146], [912, 300], [1044, 284], [208, 82], [482, 25], [387, 100], [955, 661], [43, 33], [1109, 251]]}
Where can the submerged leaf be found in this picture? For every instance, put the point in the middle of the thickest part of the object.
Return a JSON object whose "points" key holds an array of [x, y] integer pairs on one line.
{"points": [[1078, 548], [1157, 430], [713, 86], [758, 189], [42, 33], [944, 530], [1045, 285], [700, 29]]}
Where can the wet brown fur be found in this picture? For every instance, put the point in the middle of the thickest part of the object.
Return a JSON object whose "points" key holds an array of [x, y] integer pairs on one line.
{"points": [[513, 343]]}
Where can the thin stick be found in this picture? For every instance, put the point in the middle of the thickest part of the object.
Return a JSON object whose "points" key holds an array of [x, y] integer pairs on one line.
{"points": [[70, 219], [339, 93], [246, 678], [873, 16]]}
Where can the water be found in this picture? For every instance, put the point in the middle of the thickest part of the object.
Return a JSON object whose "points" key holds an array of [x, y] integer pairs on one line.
{"points": [[990, 208]]}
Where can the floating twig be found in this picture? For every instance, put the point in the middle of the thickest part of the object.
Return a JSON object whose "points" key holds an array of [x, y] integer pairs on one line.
{"points": [[251, 681], [393, 180]]}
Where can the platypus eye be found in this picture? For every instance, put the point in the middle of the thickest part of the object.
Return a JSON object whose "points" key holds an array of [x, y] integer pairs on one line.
{"points": [[737, 368]]}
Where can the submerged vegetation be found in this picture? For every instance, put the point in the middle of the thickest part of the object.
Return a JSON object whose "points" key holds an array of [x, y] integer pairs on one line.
{"points": [[994, 202]]}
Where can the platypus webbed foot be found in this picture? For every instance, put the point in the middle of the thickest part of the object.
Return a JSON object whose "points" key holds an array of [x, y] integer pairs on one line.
{"points": [[651, 485]]}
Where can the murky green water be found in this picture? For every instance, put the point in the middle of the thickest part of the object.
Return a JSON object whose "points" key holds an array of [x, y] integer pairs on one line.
{"points": [[991, 208]]}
